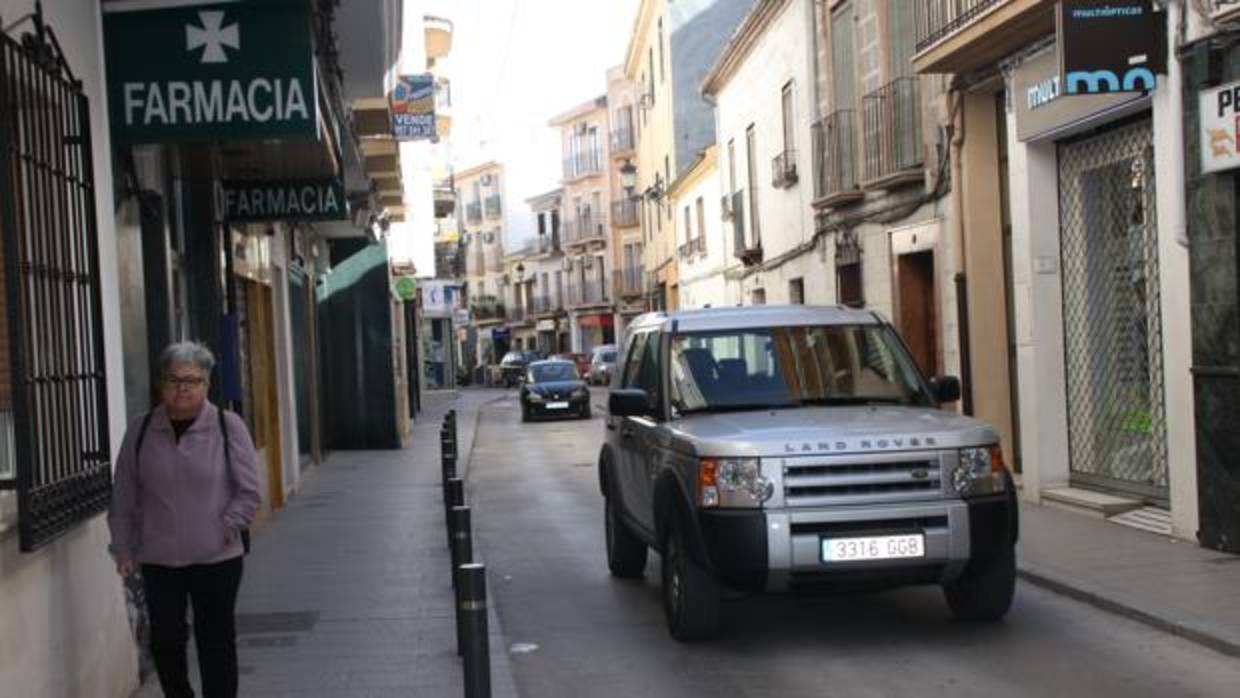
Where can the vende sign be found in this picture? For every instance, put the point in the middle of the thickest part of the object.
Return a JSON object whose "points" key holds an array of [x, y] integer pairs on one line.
{"points": [[1220, 128], [284, 200], [227, 70]]}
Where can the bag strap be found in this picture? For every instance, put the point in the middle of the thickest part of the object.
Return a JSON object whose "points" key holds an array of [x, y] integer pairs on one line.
{"points": [[227, 446], [137, 449]]}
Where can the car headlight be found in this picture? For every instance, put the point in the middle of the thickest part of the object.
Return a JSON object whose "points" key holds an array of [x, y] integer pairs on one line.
{"points": [[581, 391], [535, 397], [732, 482], [980, 471]]}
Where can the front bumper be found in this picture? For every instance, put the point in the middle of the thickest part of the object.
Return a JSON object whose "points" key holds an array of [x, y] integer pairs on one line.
{"points": [[575, 406], [780, 550]]}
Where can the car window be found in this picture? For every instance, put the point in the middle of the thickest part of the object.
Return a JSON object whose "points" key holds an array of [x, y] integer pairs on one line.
{"points": [[609, 357], [648, 372], [633, 359], [548, 373]]}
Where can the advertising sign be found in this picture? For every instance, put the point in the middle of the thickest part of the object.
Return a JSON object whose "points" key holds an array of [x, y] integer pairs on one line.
{"points": [[438, 299], [181, 72], [1042, 108], [284, 200], [1108, 46], [413, 108], [1220, 128], [405, 288]]}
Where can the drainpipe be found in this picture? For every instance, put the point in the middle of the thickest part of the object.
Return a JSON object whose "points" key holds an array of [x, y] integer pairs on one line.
{"points": [[956, 125]]}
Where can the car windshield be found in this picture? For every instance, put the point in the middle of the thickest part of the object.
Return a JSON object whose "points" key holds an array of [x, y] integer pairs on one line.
{"points": [[513, 357], [792, 367], [608, 357], [549, 373]]}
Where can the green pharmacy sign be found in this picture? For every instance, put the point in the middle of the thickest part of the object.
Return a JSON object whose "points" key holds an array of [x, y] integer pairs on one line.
{"points": [[229, 70], [284, 200]]}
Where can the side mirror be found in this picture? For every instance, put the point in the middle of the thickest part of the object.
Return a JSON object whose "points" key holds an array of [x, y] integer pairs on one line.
{"points": [[946, 388], [628, 402]]}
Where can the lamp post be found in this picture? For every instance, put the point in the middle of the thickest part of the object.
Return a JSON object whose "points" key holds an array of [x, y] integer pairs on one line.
{"points": [[628, 178]]}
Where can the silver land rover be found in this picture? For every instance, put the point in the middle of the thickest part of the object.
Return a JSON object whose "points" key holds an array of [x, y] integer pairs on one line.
{"points": [[798, 449]]}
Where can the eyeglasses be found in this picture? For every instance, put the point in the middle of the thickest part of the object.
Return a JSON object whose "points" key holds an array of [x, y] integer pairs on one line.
{"points": [[184, 381]]}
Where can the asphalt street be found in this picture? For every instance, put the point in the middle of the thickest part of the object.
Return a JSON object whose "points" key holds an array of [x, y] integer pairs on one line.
{"points": [[573, 630]]}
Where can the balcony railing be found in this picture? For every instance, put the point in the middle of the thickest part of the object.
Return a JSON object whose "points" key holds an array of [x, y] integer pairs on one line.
{"points": [[495, 206], [486, 309], [548, 244], [938, 19], [835, 155], [473, 212], [784, 169], [583, 165], [629, 282], [592, 292], [585, 229], [746, 248], [517, 314], [623, 141], [546, 305], [624, 213], [893, 143]]}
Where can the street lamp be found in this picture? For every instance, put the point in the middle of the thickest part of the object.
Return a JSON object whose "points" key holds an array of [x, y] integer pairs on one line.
{"points": [[628, 177], [520, 271]]}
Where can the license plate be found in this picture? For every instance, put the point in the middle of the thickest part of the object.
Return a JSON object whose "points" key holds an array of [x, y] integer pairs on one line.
{"points": [[557, 405], [873, 548]]}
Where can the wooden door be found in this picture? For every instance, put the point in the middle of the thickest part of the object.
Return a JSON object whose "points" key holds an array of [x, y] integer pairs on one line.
{"points": [[264, 397], [918, 320]]}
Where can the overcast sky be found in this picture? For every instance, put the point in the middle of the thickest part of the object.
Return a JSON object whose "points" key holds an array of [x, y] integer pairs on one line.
{"points": [[515, 64]]}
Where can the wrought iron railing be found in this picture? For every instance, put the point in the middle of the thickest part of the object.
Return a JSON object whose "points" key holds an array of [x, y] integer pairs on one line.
{"points": [[784, 169], [52, 359], [938, 19], [585, 229], [486, 308], [622, 141], [546, 304], [629, 282], [893, 142], [592, 292], [835, 155], [583, 164], [624, 213], [547, 244], [746, 246]]}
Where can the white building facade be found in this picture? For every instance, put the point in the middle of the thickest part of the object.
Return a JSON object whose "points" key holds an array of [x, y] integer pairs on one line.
{"points": [[701, 246]]}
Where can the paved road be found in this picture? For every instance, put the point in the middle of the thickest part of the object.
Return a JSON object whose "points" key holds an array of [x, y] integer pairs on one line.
{"points": [[578, 632]]}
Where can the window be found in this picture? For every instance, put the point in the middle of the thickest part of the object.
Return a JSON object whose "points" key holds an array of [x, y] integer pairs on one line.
{"points": [[662, 63], [54, 443], [757, 296], [667, 180], [901, 36], [701, 218], [650, 70], [731, 165], [632, 359], [643, 110], [751, 153], [542, 223], [796, 291], [842, 74], [648, 372], [848, 290], [786, 108], [688, 227]]}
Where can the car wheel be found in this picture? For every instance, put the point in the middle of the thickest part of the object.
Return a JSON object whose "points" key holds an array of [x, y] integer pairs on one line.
{"points": [[690, 594], [626, 553], [585, 412], [984, 591], [525, 413]]}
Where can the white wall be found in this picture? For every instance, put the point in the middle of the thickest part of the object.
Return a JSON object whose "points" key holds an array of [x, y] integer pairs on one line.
{"points": [[753, 96], [701, 277], [63, 622]]}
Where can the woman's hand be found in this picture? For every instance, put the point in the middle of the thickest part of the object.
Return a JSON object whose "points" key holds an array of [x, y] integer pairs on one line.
{"points": [[125, 568]]}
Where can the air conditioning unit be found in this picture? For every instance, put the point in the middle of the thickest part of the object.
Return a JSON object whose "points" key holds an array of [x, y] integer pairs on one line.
{"points": [[1224, 10]]}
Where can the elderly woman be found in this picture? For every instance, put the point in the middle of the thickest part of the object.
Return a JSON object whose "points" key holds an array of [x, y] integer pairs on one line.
{"points": [[186, 488]]}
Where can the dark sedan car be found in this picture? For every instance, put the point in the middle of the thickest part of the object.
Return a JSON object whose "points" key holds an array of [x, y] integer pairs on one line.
{"points": [[553, 389], [513, 366]]}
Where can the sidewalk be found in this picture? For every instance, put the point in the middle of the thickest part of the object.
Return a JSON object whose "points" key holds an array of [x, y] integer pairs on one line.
{"points": [[347, 590], [1173, 585]]}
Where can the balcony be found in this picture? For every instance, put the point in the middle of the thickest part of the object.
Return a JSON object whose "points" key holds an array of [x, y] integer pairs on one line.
{"points": [[445, 198], [588, 294], [487, 310], [494, 206], [473, 212], [624, 213], [547, 244], [518, 316], [746, 248], [784, 169], [623, 142], [629, 282], [586, 164], [545, 306], [585, 229], [893, 142], [959, 36], [835, 159]]}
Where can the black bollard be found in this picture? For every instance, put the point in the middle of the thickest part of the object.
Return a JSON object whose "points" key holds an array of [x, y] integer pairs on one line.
{"points": [[453, 496], [447, 442], [449, 467], [462, 554], [473, 605]]}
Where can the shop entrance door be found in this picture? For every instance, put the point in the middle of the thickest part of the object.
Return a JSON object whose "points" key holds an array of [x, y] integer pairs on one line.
{"points": [[1112, 325]]}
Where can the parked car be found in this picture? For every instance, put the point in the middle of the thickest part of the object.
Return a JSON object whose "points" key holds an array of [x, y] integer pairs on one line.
{"points": [[582, 361], [512, 366], [798, 448], [602, 364], [552, 388]]}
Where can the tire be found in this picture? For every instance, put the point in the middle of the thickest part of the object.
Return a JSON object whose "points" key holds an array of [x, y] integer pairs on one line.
{"points": [[626, 553], [690, 594], [984, 591], [525, 413], [585, 412]]}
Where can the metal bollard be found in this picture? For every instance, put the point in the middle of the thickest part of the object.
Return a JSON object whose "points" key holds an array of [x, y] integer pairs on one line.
{"points": [[449, 467], [462, 554], [447, 442], [473, 605], [453, 496]]}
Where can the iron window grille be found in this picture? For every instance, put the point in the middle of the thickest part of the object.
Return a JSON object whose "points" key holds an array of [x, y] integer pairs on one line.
{"points": [[892, 116], [52, 355], [938, 19]]}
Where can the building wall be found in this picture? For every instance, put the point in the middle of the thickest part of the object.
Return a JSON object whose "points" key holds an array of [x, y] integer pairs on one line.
{"points": [[63, 619], [701, 275]]}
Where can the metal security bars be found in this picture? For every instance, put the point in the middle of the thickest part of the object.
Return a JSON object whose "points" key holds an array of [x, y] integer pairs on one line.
{"points": [[892, 129], [835, 158], [1112, 324], [937, 19], [53, 357]]}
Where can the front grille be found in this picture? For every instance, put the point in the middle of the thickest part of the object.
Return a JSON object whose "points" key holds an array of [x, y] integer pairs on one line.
{"points": [[843, 480], [876, 527]]}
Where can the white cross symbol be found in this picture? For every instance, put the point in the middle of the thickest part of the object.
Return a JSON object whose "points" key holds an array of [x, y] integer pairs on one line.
{"points": [[214, 36]]}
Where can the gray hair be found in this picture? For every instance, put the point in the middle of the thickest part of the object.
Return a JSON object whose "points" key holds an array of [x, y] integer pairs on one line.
{"points": [[195, 353]]}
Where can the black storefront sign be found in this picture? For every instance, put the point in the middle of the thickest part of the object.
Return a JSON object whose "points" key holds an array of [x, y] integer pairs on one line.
{"points": [[284, 200], [1109, 46]]}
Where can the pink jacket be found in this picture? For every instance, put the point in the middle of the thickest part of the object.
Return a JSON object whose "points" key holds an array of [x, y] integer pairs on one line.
{"points": [[180, 505]]}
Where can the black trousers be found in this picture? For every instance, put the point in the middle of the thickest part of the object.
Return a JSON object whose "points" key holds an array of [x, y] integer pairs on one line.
{"points": [[212, 590]]}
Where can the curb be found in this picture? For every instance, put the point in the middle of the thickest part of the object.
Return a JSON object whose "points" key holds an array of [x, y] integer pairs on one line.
{"points": [[1191, 629]]}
